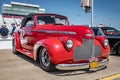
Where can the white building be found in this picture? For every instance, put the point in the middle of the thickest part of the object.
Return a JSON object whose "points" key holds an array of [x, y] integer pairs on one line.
{"points": [[15, 12]]}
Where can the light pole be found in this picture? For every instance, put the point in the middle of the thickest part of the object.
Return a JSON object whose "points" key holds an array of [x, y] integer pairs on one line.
{"points": [[88, 6], [92, 13]]}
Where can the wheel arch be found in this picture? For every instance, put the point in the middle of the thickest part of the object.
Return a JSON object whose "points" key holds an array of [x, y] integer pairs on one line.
{"points": [[46, 67], [36, 50], [49, 44], [115, 46]]}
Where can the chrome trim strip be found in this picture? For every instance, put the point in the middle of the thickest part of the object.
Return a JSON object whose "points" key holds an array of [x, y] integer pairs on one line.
{"points": [[56, 32], [52, 32], [102, 64]]}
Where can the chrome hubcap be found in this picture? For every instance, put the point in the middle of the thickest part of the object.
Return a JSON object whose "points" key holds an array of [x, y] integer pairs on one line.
{"points": [[45, 58]]}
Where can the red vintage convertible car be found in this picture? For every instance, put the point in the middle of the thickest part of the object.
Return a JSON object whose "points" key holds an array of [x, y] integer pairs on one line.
{"points": [[55, 44]]}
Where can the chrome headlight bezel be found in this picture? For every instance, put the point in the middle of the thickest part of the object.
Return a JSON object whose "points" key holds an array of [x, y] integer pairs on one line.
{"points": [[69, 44]]}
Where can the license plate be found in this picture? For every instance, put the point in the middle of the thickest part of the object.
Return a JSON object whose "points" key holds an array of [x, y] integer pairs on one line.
{"points": [[94, 65]]}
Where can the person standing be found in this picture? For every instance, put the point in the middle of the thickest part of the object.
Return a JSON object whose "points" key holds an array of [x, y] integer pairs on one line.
{"points": [[17, 27], [13, 28]]}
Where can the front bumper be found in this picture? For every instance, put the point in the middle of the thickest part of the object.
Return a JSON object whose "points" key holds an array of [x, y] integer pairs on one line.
{"points": [[102, 64]]}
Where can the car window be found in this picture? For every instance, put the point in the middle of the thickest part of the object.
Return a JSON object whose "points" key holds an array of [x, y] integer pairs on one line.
{"points": [[95, 32], [110, 31], [98, 32], [51, 20], [45, 20], [60, 21], [30, 23]]}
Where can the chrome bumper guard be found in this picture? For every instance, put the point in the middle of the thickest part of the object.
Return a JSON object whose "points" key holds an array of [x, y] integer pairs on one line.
{"points": [[102, 64]]}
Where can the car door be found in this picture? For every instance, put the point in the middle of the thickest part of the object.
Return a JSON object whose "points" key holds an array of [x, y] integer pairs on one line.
{"points": [[27, 34]]}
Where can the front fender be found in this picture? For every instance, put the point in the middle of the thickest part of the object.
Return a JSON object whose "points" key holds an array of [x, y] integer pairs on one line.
{"points": [[55, 49]]}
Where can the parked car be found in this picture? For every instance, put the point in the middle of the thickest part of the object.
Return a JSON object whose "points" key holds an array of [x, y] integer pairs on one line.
{"points": [[113, 36], [55, 44], [98, 31]]}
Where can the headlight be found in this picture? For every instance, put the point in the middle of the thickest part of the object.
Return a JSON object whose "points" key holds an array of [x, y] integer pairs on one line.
{"points": [[106, 42], [69, 43]]}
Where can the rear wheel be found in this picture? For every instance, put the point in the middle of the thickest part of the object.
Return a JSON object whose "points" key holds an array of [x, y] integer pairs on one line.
{"points": [[14, 47], [45, 61], [118, 50]]}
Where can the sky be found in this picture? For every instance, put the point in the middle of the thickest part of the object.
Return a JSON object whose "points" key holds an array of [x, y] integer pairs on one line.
{"points": [[106, 12]]}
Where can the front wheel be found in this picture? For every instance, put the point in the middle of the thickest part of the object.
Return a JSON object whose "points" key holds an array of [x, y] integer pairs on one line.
{"points": [[14, 47], [45, 62], [118, 50]]}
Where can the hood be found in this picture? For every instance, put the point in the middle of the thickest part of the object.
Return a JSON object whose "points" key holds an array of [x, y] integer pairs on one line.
{"points": [[83, 31]]}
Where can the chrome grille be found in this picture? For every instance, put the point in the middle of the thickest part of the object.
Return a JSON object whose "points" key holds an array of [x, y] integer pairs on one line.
{"points": [[85, 51]]}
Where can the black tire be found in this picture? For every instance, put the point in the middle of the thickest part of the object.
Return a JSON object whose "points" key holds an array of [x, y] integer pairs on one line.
{"points": [[45, 62], [14, 47], [118, 50]]}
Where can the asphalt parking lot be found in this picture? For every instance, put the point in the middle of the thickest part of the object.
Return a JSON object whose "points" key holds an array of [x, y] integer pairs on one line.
{"points": [[20, 67]]}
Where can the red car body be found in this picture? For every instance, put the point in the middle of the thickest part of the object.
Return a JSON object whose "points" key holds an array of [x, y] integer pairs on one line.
{"points": [[50, 39]]}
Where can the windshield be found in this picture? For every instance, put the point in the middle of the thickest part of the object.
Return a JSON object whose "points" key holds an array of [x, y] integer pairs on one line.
{"points": [[98, 32], [52, 20]]}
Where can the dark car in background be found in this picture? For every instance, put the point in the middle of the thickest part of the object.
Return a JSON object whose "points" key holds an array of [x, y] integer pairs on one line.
{"points": [[113, 36], [98, 31]]}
